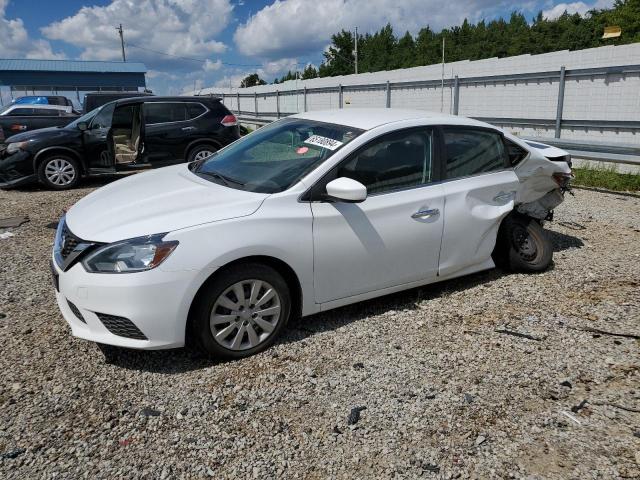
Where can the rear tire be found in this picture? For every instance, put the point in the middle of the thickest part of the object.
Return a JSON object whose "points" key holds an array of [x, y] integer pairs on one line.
{"points": [[228, 319], [523, 245], [59, 172], [200, 152]]}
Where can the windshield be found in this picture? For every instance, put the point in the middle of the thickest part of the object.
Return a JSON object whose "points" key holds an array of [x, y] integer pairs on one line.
{"points": [[84, 118], [274, 157], [5, 108]]}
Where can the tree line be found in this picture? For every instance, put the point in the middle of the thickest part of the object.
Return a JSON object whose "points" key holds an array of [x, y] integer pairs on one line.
{"points": [[384, 50]]}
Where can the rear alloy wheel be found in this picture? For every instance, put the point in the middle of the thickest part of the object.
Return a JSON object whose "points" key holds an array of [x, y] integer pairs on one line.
{"points": [[241, 312], [201, 152], [524, 245], [59, 172]]}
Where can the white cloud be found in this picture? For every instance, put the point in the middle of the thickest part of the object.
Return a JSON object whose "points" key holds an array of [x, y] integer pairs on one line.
{"points": [[184, 28], [575, 7], [16, 42], [558, 10], [210, 66], [232, 81], [297, 27]]}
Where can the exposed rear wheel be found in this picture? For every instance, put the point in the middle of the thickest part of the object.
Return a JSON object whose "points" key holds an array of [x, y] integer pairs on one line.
{"points": [[59, 172], [523, 245], [241, 312]]}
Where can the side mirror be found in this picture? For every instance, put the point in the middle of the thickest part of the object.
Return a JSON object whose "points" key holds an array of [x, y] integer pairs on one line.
{"points": [[347, 190], [82, 126]]}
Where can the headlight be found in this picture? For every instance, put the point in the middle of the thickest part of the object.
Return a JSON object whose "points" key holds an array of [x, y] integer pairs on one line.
{"points": [[14, 147], [128, 256]]}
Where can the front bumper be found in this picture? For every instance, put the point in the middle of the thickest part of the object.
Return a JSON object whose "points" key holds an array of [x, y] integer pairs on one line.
{"points": [[156, 302], [16, 169]]}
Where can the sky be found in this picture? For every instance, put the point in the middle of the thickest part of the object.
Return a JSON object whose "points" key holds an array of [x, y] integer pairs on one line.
{"points": [[189, 44]]}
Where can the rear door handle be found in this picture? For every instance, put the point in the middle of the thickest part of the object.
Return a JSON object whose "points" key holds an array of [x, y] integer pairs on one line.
{"points": [[188, 129], [427, 213]]}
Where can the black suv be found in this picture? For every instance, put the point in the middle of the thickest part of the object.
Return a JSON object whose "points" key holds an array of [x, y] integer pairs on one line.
{"points": [[128, 134]]}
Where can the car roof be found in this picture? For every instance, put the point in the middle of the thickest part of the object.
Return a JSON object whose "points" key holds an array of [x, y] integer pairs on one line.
{"points": [[154, 99], [41, 105], [368, 118]]}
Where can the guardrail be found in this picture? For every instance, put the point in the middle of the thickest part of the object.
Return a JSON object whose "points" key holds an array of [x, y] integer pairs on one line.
{"points": [[596, 151]]}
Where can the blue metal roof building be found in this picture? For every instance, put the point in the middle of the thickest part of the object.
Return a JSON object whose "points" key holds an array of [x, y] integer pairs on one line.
{"points": [[45, 75]]}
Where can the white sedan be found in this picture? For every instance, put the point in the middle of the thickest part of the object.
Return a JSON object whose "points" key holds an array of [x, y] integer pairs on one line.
{"points": [[309, 213]]}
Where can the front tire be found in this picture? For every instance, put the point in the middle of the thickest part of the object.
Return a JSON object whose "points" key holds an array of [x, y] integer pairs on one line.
{"points": [[240, 312], [59, 172], [523, 245]]}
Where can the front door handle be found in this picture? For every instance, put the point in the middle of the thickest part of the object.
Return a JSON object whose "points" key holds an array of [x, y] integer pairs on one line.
{"points": [[504, 197], [188, 129], [427, 213]]}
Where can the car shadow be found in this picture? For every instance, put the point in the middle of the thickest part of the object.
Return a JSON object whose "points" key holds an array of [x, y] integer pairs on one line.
{"points": [[562, 241], [182, 360], [176, 361], [90, 182]]}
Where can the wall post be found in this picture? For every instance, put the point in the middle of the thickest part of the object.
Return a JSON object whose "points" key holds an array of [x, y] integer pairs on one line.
{"points": [[278, 102], [560, 102], [456, 95], [388, 95], [340, 96], [304, 96]]}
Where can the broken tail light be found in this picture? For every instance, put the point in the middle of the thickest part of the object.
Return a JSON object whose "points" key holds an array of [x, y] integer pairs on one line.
{"points": [[563, 180], [229, 121]]}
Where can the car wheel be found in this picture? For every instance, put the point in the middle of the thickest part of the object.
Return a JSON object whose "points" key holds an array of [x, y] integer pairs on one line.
{"points": [[200, 152], [59, 172], [523, 245], [241, 312]]}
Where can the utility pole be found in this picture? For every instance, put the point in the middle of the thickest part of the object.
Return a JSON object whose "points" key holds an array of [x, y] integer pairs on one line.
{"points": [[442, 86], [356, 50], [119, 29]]}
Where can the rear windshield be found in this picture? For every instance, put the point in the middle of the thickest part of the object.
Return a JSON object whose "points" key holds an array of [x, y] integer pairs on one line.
{"points": [[275, 157]]}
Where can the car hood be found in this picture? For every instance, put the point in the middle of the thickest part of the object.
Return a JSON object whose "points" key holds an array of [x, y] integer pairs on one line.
{"points": [[42, 134], [157, 201]]}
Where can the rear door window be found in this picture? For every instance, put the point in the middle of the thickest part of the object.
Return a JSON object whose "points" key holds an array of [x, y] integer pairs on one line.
{"points": [[194, 110], [164, 112], [46, 112], [516, 152], [17, 112], [470, 151]]}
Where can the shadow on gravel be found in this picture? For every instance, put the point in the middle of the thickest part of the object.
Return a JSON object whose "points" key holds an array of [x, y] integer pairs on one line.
{"points": [[171, 362], [168, 362], [301, 328], [562, 241], [91, 182]]}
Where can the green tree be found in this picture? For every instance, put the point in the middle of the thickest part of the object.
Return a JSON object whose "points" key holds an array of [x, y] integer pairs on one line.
{"points": [[309, 72], [382, 50], [339, 58], [251, 81]]}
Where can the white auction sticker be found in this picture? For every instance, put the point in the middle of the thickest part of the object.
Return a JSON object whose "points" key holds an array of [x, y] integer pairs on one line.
{"points": [[324, 142]]}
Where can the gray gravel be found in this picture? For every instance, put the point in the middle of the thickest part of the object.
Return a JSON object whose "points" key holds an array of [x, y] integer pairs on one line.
{"points": [[489, 376]]}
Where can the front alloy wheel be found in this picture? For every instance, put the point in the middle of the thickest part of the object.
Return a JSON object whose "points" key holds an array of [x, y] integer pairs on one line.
{"points": [[240, 311], [59, 172], [245, 315]]}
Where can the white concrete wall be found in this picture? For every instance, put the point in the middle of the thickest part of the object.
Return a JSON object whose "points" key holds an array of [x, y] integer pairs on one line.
{"points": [[611, 97]]}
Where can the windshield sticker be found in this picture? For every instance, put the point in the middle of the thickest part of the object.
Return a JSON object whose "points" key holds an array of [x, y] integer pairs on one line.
{"points": [[324, 142], [302, 150]]}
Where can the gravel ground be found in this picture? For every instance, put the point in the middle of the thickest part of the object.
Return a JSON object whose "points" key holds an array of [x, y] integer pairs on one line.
{"points": [[425, 383]]}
